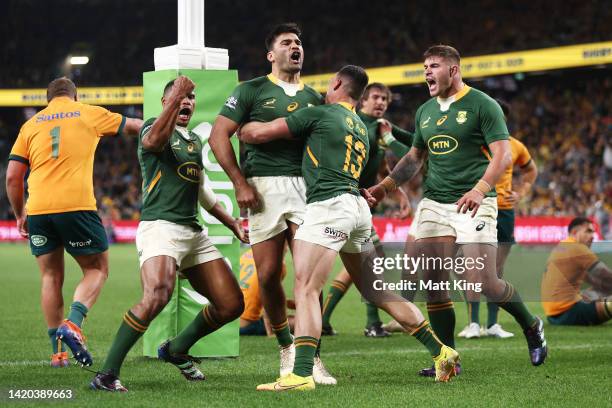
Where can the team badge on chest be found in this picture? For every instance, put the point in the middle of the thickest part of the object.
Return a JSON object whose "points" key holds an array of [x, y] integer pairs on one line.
{"points": [[461, 117]]}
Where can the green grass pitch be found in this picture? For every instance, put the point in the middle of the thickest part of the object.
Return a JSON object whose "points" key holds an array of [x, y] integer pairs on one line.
{"points": [[370, 372]]}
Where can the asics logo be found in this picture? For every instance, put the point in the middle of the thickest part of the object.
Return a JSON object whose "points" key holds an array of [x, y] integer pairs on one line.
{"points": [[480, 226]]}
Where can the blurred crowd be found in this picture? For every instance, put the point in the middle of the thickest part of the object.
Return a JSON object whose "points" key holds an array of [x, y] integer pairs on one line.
{"points": [[564, 117], [335, 33]]}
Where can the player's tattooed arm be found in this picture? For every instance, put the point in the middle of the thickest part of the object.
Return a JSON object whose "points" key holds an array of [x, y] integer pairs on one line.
{"points": [[259, 132], [403, 171], [408, 166], [159, 134]]}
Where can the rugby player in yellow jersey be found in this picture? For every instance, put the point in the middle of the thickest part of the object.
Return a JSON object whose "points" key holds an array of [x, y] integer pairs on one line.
{"points": [[507, 197], [572, 263], [253, 321], [57, 145]]}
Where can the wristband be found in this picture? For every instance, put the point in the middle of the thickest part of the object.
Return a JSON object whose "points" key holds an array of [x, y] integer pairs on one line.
{"points": [[388, 138], [482, 187], [389, 184]]}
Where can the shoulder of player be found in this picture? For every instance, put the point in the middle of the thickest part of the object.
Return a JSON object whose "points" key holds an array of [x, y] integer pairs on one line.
{"points": [[313, 92], [480, 98], [254, 83]]}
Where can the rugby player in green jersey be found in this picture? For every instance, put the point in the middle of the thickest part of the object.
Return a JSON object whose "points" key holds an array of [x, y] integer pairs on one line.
{"points": [[270, 184], [373, 105], [337, 220], [169, 240], [454, 130]]}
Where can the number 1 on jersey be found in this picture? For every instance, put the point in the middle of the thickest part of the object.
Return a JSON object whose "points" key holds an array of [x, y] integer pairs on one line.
{"points": [[55, 139], [361, 153]]}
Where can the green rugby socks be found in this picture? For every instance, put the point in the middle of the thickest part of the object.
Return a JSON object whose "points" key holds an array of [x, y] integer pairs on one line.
{"points": [[131, 329]]}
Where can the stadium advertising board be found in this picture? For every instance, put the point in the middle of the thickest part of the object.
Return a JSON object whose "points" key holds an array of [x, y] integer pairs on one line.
{"points": [[528, 230], [472, 67]]}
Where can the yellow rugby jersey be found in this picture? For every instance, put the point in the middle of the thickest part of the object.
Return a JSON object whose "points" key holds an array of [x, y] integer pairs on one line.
{"points": [[566, 270], [59, 144], [249, 284], [520, 157]]}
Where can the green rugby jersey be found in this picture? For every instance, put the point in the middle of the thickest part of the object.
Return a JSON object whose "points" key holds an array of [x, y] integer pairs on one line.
{"points": [[456, 141], [377, 153], [171, 178], [263, 100], [336, 149]]}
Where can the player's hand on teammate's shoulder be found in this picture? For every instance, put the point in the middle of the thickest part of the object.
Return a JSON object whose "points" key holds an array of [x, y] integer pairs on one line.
{"points": [[384, 126], [183, 86], [240, 231], [470, 202]]}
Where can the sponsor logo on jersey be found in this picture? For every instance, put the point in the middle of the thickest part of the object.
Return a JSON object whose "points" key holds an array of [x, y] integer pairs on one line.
{"points": [[189, 171], [38, 240], [269, 103], [231, 102], [480, 226], [190, 147], [361, 130], [442, 144], [426, 123], [349, 122], [336, 233], [58, 115], [292, 106], [441, 120], [461, 117], [80, 244]]}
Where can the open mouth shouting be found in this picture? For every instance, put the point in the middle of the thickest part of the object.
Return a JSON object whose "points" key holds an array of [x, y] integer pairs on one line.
{"points": [[432, 84], [295, 57], [185, 114]]}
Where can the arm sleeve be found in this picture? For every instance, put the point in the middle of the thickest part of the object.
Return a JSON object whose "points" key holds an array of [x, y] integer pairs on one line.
{"points": [[403, 136], [523, 157], [492, 122], [206, 196], [19, 152], [398, 148], [238, 104], [104, 121], [301, 122]]}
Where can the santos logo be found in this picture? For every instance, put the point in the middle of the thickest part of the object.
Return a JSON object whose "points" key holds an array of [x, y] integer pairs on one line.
{"points": [[59, 115], [442, 144]]}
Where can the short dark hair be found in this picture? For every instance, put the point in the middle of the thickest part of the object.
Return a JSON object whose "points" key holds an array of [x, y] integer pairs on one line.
{"points": [[168, 86], [505, 106], [61, 87], [444, 51], [281, 29], [357, 80], [376, 85], [577, 222]]}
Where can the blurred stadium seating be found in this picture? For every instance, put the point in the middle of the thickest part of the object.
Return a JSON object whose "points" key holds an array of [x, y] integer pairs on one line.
{"points": [[564, 117]]}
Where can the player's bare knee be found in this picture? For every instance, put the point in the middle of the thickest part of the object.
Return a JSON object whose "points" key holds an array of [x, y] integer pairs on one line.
{"points": [[231, 309]]}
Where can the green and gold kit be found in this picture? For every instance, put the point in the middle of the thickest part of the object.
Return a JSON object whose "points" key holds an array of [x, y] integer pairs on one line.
{"points": [[336, 149], [456, 140], [263, 99], [170, 178], [377, 153]]}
